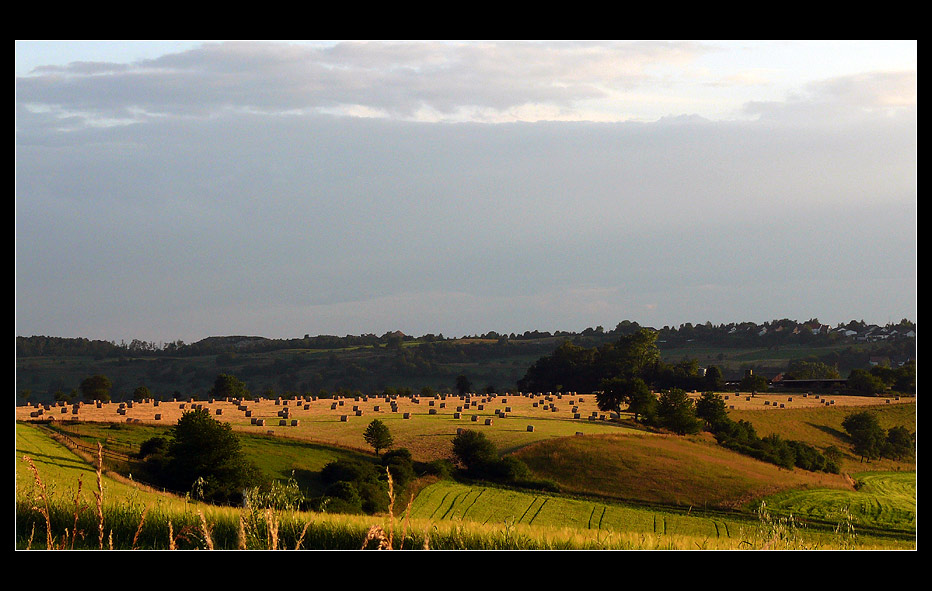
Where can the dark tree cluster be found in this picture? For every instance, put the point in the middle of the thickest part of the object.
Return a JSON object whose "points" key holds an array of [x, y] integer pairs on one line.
{"points": [[202, 458], [741, 437], [634, 356], [870, 441], [480, 460]]}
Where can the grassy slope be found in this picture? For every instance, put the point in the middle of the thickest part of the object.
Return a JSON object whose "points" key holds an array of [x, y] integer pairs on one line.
{"points": [[821, 428], [666, 469], [61, 471], [506, 515]]}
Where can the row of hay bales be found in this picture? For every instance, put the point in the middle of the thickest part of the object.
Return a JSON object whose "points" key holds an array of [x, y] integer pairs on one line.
{"points": [[233, 409], [461, 406]]}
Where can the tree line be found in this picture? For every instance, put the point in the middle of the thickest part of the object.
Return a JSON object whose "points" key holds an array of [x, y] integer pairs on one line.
{"points": [[773, 333]]}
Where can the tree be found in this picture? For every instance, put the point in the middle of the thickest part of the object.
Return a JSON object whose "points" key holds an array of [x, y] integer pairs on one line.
{"points": [[864, 382], [227, 386], [714, 379], [463, 385], [378, 436], [96, 387], [753, 383], [206, 451], [711, 408], [641, 401], [638, 353], [141, 393], [899, 444], [612, 394], [866, 434], [800, 369], [473, 449], [675, 411]]}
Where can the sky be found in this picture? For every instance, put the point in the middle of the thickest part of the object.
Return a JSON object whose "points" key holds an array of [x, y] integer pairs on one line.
{"points": [[176, 190]]}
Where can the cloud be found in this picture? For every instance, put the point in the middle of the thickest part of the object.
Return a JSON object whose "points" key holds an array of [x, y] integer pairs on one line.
{"points": [[287, 189], [846, 98], [396, 78]]}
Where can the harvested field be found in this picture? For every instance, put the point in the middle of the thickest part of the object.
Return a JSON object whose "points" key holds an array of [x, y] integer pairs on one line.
{"points": [[426, 435], [782, 401]]}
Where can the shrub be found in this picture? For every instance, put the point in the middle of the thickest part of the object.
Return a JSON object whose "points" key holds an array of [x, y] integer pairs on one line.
{"points": [[675, 411], [155, 445], [207, 452], [473, 448], [348, 471]]}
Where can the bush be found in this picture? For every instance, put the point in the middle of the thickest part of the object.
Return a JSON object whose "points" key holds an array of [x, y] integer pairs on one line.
{"points": [[899, 445], [440, 468], [472, 448], [401, 453], [357, 487], [348, 471], [343, 498], [155, 445], [206, 453], [675, 411]]}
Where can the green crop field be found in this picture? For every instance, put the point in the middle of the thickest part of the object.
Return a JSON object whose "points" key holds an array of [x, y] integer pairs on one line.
{"points": [[883, 501], [443, 515], [451, 501]]}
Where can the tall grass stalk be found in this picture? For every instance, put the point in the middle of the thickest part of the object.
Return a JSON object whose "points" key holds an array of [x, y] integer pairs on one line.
{"points": [[40, 495], [99, 495]]}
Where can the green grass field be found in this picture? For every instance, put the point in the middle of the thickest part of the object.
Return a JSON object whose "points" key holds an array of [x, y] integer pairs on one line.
{"points": [[883, 501], [444, 515], [621, 488]]}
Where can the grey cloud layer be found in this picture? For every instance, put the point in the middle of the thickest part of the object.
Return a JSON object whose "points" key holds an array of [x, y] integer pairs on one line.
{"points": [[398, 78], [244, 219]]}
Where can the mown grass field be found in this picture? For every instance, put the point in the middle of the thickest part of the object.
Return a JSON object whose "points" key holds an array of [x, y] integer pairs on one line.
{"points": [[426, 435]]}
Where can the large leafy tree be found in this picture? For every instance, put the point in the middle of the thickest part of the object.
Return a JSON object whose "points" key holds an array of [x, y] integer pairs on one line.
{"points": [[378, 436], [612, 394], [473, 449], [205, 454], [227, 386], [714, 379], [637, 354], [899, 444], [711, 408], [96, 387], [866, 434], [641, 401], [463, 385], [676, 411]]}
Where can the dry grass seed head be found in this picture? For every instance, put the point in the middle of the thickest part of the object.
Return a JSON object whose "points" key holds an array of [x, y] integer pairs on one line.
{"points": [[40, 495], [206, 531], [376, 533]]}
